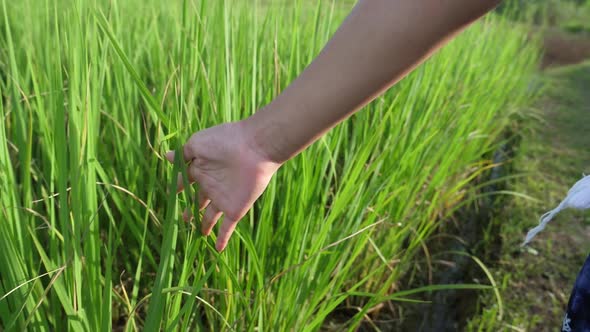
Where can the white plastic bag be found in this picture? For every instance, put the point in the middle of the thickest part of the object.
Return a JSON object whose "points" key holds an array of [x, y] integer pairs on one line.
{"points": [[577, 198]]}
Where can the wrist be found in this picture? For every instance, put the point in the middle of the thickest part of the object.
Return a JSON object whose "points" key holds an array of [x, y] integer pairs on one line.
{"points": [[263, 135]]}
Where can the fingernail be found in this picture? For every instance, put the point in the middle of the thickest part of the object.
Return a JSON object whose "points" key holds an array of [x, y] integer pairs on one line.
{"points": [[187, 216], [219, 247], [170, 156]]}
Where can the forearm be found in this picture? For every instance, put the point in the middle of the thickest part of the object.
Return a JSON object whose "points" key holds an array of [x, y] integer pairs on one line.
{"points": [[377, 45]]}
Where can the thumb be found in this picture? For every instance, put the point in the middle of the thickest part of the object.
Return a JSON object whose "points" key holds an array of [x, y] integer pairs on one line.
{"points": [[170, 156]]}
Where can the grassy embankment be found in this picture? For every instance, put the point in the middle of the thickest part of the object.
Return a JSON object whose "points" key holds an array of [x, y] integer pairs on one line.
{"points": [[553, 155]]}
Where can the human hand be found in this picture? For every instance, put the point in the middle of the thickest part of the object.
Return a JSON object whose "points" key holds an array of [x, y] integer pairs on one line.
{"points": [[232, 172]]}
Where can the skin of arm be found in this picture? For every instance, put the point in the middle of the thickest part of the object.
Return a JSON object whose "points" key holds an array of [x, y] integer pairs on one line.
{"points": [[379, 43]]}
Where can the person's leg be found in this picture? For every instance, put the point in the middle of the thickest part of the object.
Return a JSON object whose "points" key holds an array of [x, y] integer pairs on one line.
{"points": [[577, 317]]}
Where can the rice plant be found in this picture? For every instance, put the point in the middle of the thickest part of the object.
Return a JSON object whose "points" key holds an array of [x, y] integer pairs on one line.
{"points": [[92, 94]]}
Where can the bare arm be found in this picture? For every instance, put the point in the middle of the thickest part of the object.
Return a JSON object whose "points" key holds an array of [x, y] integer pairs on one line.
{"points": [[377, 45]]}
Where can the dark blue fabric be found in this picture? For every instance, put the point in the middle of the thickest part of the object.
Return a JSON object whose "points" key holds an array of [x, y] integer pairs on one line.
{"points": [[577, 318]]}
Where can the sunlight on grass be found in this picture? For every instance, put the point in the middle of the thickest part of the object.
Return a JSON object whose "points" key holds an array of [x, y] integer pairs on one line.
{"points": [[92, 93]]}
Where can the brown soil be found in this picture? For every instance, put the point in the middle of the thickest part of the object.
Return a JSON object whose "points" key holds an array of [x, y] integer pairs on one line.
{"points": [[564, 49]]}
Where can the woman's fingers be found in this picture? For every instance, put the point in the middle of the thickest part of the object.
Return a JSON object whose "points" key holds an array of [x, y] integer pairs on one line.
{"points": [[212, 214], [203, 200], [170, 156], [187, 215], [192, 172], [225, 231], [187, 154], [210, 217], [179, 180]]}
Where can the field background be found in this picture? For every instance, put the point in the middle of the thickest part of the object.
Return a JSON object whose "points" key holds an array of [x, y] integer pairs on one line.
{"points": [[93, 92]]}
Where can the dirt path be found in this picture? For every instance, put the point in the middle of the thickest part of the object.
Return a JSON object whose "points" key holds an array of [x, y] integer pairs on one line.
{"points": [[538, 280], [564, 49]]}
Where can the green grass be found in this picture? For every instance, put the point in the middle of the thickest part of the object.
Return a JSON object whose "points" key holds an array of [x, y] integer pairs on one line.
{"points": [[571, 16], [552, 156], [92, 93]]}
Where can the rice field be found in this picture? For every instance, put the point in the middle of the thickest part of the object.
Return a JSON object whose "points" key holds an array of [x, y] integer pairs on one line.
{"points": [[92, 93]]}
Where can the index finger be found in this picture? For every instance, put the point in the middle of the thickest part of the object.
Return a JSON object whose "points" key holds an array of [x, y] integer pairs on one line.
{"points": [[187, 154]]}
